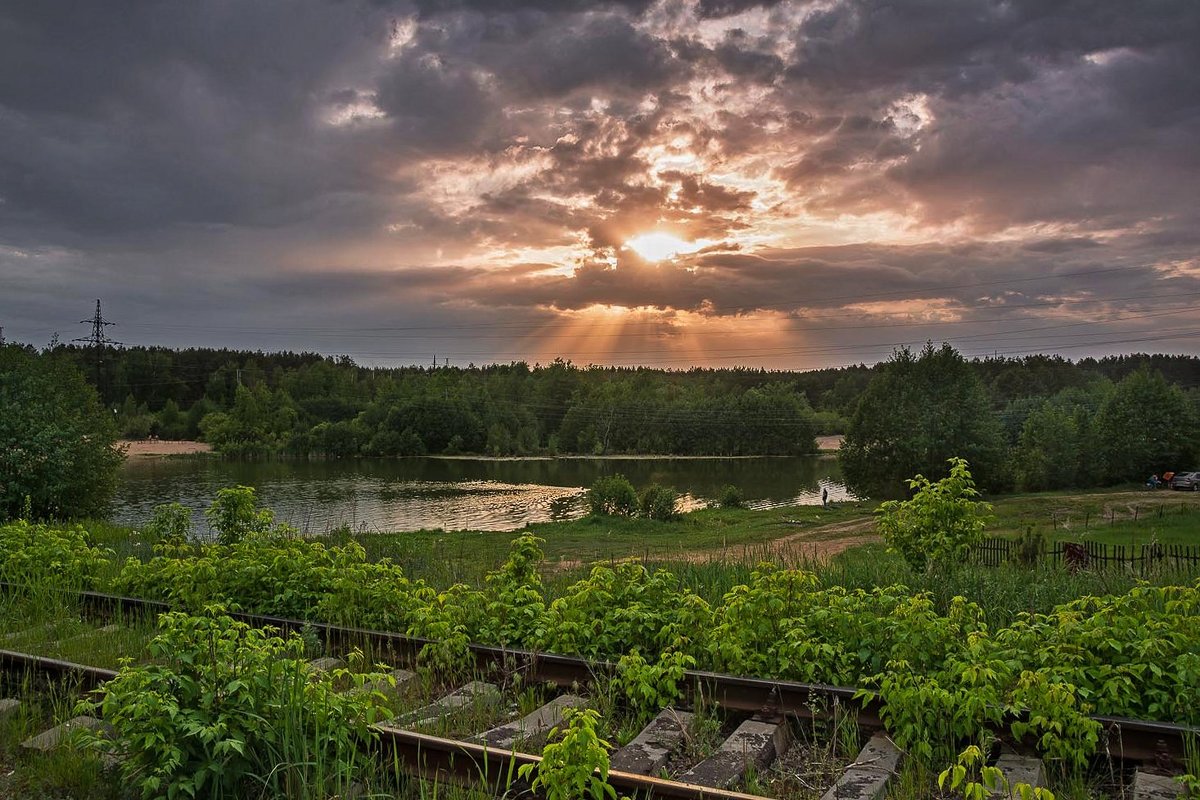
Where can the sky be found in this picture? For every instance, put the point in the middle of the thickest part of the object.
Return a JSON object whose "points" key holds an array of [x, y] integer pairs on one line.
{"points": [[675, 183]]}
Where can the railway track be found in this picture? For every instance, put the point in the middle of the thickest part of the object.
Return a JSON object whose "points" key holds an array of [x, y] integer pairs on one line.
{"points": [[759, 718]]}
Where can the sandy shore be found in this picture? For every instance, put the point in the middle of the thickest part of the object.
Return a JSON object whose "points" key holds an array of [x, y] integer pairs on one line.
{"points": [[156, 448], [829, 443]]}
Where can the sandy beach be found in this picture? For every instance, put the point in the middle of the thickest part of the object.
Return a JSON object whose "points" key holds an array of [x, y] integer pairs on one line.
{"points": [[157, 448]]}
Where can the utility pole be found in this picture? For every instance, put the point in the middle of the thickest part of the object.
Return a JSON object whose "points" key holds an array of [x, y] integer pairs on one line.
{"points": [[98, 341]]}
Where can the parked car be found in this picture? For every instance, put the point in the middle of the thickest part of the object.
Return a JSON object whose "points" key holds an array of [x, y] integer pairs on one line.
{"points": [[1187, 481]]}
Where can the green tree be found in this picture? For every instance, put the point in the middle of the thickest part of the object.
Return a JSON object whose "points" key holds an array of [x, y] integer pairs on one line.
{"points": [[172, 423], [942, 521], [57, 443], [1146, 426], [918, 412], [235, 514], [1047, 455]]}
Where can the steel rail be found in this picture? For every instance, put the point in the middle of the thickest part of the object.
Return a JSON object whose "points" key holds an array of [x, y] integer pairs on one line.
{"points": [[1123, 738], [90, 678], [437, 759], [431, 757]]}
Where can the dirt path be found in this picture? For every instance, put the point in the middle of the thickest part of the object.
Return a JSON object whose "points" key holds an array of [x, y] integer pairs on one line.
{"points": [[818, 543], [157, 448]]}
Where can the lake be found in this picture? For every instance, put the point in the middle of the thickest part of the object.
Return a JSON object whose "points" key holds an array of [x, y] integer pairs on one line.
{"points": [[457, 493]]}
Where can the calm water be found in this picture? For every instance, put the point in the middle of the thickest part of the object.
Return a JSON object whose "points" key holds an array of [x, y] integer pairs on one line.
{"points": [[415, 493]]}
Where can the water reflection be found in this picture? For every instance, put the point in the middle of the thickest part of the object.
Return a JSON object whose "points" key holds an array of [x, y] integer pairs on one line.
{"points": [[497, 495]]}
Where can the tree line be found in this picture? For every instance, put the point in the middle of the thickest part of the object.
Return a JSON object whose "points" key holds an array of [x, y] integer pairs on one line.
{"points": [[263, 404], [1030, 423], [1040, 422], [1057, 426]]}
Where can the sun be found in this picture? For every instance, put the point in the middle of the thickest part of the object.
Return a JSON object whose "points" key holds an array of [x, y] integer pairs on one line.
{"points": [[660, 246]]}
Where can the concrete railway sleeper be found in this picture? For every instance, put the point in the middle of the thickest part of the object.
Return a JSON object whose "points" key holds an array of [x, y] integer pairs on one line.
{"points": [[481, 732]]}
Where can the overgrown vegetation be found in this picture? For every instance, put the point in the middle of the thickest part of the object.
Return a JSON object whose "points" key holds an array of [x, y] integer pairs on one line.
{"points": [[575, 764], [949, 668], [228, 710], [1128, 654], [941, 522], [57, 453]]}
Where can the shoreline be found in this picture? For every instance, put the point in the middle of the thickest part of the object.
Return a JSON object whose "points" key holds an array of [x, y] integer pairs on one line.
{"points": [[162, 448]]}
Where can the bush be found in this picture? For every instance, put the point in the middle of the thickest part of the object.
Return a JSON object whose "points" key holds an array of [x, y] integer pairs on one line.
{"points": [[731, 497], [228, 710], [171, 521], [658, 502], [235, 514], [37, 555], [613, 495], [57, 443], [942, 521]]}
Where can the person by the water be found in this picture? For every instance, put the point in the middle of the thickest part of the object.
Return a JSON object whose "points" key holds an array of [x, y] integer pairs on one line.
{"points": [[824, 495]]}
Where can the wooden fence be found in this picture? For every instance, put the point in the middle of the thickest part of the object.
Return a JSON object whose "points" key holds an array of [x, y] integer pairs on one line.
{"points": [[1091, 555]]}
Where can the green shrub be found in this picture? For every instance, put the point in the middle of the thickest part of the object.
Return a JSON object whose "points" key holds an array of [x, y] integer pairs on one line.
{"points": [[171, 521], [41, 555], [575, 763], [228, 710], [658, 502], [612, 495], [235, 514], [941, 522], [622, 609], [731, 497], [649, 687]]}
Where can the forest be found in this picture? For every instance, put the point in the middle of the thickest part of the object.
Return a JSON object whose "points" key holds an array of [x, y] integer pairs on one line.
{"points": [[1031, 423]]}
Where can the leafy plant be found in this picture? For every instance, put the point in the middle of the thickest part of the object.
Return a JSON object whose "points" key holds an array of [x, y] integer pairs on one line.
{"points": [[40, 555], [235, 514], [977, 781], [612, 495], [226, 707], [576, 765], [171, 521], [516, 609], [648, 687], [730, 496], [658, 502], [942, 521]]}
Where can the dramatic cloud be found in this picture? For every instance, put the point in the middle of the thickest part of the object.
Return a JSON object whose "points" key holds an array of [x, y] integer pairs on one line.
{"points": [[662, 181]]}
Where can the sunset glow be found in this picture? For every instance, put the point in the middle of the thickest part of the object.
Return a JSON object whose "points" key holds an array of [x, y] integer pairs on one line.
{"points": [[481, 180], [660, 246]]}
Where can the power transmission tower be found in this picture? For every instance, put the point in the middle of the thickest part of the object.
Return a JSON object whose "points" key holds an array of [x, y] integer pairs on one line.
{"points": [[98, 341]]}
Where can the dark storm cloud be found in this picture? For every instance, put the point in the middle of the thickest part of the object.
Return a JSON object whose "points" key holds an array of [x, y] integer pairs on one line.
{"points": [[725, 8], [119, 117], [233, 153], [965, 46], [433, 8]]}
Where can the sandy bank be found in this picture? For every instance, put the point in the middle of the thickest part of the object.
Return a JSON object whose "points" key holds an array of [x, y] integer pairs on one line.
{"points": [[156, 448], [829, 443]]}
